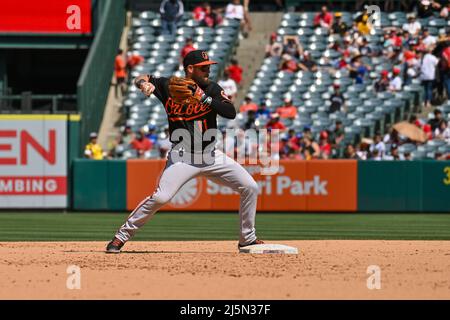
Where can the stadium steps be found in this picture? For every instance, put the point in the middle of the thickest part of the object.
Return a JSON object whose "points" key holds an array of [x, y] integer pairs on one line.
{"points": [[250, 52], [109, 128]]}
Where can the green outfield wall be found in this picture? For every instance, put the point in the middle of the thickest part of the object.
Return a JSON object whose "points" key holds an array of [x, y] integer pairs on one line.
{"points": [[99, 185], [382, 186]]}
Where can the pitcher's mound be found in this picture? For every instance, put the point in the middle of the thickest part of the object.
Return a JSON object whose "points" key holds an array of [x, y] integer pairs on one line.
{"points": [[269, 248]]}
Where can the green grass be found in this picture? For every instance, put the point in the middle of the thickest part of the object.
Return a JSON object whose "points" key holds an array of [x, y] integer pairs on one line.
{"points": [[38, 226]]}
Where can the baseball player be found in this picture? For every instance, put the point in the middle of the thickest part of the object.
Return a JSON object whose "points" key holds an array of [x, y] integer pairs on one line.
{"points": [[192, 104]]}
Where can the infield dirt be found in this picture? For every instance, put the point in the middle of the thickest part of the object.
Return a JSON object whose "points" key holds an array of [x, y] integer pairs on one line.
{"points": [[325, 269]]}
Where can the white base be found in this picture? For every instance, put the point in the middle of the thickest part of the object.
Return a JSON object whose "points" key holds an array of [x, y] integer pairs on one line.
{"points": [[269, 248]]}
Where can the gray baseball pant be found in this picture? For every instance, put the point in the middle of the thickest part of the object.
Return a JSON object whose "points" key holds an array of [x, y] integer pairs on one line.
{"points": [[223, 171]]}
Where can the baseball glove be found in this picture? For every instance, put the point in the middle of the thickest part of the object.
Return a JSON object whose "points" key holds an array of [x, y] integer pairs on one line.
{"points": [[185, 91]]}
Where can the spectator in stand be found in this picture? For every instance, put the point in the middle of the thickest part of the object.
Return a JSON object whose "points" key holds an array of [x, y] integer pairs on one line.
{"points": [[235, 11], [444, 68], [428, 75], [375, 155], [263, 112], [207, 16], [292, 47], [337, 135], [127, 135], [363, 150], [288, 64], [274, 123], [362, 24], [171, 13], [436, 120], [394, 155], [339, 26], [248, 105], [199, 12], [350, 152], [442, 132], [412, 66], [324, 145], [228, 85], [425, 8], [120, 73], [235, 71], [93, 150], [274, 48], [307, 64], [364, 48], [151, 134], [382, 84], [133, 60], [288, 110], [427, 39], [337, 99], [396, 83], [391, 136], [251, 118], [323, 19], [141, 144], [412, 26], [378, 145], [188, 47], [357, 69], [311, 149], [212, 17]]}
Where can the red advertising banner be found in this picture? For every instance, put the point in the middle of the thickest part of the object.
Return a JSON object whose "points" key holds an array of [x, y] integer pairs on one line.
{"points": [[33, 161], [45, 16], [316, 185]]}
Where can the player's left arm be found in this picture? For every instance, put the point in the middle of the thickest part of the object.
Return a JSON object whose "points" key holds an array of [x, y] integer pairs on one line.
{"points": [[220, 102]]}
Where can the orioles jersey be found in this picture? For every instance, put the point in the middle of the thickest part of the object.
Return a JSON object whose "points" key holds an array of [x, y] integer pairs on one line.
{"points": [[194, 119]]}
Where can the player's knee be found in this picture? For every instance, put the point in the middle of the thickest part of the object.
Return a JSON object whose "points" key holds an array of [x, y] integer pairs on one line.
{"points": [[251, 187], [161, 198]]}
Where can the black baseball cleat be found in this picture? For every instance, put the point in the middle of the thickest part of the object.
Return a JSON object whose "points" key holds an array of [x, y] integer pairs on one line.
{"points": [[114, 246], [257, 241]]}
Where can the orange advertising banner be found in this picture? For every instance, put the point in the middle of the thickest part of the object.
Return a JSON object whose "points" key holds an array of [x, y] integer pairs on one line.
{"points": [[318, 185]]}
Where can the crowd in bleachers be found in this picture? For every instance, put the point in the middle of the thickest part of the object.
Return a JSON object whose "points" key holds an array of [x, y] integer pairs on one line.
{"points": [[344, 75], [334, 83]]}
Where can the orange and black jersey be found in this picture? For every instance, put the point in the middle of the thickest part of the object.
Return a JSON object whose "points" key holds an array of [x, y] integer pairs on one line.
{"points": [[196, 119]]}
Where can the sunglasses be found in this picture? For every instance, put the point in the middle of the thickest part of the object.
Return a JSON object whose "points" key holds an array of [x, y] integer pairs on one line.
{"points": [[204, 68]]}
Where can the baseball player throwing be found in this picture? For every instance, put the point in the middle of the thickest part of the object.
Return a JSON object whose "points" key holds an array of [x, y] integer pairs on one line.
{"points": [[192, 104]]}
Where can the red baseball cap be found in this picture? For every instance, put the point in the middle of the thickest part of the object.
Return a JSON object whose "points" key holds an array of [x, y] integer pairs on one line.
{"points": [[396, 70], [384, 73]]}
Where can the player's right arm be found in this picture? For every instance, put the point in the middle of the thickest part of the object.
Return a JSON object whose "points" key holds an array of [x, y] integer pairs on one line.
{"points": [[142, 82]]}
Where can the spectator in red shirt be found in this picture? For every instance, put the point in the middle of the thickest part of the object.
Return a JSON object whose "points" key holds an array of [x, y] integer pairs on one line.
{"points": [[288, 64], [248, 105], [133, 60], [199, 12], [141, 144], [324, 145], [274, 123], [323, 19], [120, 72], [288, 110], [206, 16], [235, 71]]}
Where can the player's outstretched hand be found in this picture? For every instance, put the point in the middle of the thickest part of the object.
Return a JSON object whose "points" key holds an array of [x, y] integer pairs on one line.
{"points": [[143, 83]]}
